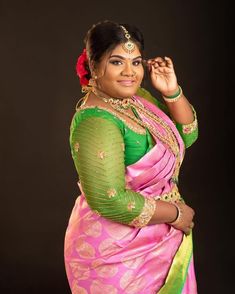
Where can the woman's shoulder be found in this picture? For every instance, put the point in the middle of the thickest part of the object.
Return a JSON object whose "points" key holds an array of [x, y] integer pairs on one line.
{"points": [[86, 111]]}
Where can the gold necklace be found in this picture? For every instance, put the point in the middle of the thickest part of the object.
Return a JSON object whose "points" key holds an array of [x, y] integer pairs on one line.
{"points": [[124, 103], [121, 105], [170, 139]]}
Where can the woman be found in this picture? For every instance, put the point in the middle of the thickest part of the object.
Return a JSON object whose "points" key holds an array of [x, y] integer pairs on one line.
{"points": [[130, 229]]}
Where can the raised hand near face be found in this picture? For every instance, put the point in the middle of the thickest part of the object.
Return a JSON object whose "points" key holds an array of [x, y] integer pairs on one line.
{"points": [[162, 75]]}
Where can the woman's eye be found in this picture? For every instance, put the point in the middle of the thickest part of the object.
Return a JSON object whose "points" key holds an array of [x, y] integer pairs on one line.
{"points": [[137, 62], [116, 62]]}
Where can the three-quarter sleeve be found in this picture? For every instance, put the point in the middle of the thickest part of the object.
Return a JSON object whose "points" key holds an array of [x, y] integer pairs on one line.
{"points": [[97, 148], [189, 132]]}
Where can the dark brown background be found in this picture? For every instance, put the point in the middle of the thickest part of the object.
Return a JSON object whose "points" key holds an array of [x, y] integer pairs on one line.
{"points": [[39, 45]]}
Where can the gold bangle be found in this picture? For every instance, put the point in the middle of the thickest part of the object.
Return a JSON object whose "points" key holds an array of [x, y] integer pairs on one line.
{"points": [[179, 216], [174, 99]]}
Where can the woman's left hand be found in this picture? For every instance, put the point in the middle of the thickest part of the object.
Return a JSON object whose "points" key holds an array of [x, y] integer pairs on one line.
{"points": [[163, 75]]}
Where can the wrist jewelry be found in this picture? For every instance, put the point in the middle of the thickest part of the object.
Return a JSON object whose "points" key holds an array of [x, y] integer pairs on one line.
{"points": [[179, 215], [174, 97]]}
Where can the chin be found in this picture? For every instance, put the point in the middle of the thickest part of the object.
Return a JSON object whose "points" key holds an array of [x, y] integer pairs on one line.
{"points": [[125, 93]]}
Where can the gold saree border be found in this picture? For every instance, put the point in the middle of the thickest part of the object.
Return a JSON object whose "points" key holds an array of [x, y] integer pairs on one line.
{"points": [[179, 268]]}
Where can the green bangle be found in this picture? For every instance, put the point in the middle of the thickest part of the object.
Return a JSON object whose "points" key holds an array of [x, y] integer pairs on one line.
{"points": [[174, 97]]}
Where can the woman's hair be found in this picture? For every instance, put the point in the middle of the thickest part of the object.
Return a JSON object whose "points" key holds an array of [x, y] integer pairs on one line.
{"points": [[104, 36]]}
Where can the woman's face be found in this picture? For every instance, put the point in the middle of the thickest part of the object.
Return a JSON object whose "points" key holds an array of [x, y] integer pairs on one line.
{"points": [[119, 74]]}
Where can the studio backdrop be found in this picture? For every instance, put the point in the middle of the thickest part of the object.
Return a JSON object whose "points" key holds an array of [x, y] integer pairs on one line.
{"points": [[40, 43]]}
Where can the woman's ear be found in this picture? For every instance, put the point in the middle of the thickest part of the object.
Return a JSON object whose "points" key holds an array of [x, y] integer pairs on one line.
{"points": [[92, 66]]}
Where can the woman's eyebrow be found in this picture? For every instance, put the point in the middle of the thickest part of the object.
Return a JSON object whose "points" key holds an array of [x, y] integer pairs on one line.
{"points": [[121, 57]]}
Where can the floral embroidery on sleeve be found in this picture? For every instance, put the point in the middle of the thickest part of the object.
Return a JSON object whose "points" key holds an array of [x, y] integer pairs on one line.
{"points": [[189, 128], [111, 192]]}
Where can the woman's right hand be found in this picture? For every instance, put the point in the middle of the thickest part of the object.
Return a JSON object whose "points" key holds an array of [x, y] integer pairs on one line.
{"points": [[185, 223]]}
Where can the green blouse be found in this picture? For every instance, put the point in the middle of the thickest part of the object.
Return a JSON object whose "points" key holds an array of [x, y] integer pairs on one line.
{"points": [[102, 145]]}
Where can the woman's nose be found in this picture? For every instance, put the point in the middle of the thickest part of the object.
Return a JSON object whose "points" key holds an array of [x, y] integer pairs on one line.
{"points": [[128, 70]]}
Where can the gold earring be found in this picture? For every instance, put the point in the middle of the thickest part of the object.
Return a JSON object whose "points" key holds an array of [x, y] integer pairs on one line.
{"points": [[92, 81]]}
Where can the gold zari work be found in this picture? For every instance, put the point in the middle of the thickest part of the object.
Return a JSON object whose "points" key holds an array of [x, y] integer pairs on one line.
{"points": [[130, 205], [111, 192], [146, 214], [76, 147], [189, 128], [101, 154], [134, 129], [172, 196]]}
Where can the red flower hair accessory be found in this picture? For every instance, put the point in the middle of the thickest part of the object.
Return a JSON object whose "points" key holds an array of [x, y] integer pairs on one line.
{"points": [[81, 68]]}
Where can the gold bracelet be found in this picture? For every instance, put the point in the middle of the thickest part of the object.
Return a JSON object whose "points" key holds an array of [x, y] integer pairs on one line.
{"points": [[179, 216], [174, 98]]}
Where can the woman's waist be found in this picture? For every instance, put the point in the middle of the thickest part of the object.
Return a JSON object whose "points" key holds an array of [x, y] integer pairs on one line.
{"points": [[172, 194]]}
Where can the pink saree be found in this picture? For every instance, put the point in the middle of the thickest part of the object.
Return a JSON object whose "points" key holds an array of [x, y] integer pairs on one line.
{"points": [[105, 257]]}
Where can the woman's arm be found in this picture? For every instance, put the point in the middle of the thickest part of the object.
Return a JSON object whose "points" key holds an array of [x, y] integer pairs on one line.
{"points": [[183, 215], [97, 149], [164, 79], [181, 110], [184, 116], [188, 132]]}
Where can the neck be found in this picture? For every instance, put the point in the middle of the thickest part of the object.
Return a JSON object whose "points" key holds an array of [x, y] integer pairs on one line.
{"points": [[101, 94]]}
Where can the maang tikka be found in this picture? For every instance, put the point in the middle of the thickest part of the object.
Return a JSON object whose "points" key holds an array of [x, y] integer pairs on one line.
{"points": [[128, 46]]}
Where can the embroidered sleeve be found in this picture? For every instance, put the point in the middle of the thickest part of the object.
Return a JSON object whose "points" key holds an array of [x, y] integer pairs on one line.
{"points": [[97, 151], [189, 132], [144, 217]]}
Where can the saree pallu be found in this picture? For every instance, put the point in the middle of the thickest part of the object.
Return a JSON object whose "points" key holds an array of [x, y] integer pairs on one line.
{"points": [[105, 257]]}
